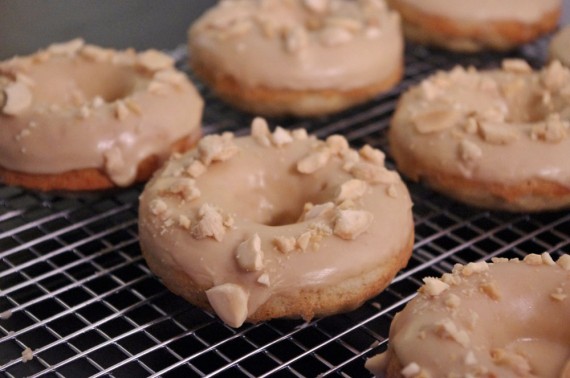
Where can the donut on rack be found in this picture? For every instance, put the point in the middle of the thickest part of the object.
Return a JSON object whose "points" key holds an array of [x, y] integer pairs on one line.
{"points": [[474, 25], [510, 318], [275, 224], [497, 139], [81, 117], [297, 57]]}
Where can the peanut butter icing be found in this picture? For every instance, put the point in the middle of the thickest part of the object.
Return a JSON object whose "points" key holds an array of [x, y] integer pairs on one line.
{"points": [[504, 126], [300, 44], [558, 49], [75, 106], [254, 217], [487, 10], [509, 318]]}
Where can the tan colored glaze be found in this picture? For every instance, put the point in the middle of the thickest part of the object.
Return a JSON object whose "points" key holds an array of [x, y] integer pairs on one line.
{"points": [[506, 319], [260, 190], [289, 45], [93, 108], [487, 10], [504, 127], [558, 49]]}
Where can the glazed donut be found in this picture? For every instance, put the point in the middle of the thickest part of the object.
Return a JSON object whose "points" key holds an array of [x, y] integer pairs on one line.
{"points": [[497, 139], [81, 117], [275, 225], [505, 319], [558, 49], [297, 57], [474, 25]]}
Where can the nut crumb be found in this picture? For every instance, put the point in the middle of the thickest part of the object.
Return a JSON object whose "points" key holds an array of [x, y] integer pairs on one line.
{"points": [[213, 148], [497, 133], [558, 295], [337, 144], [533, 259], [229, 301], [196, 168], [469, 151], [515, 361], [285, 244], [351, 190], [185, 187], [374, 174], [334, 36], [314, 161], [249, 254], [392, 191], [260, 131], [210, 224], [474, 267], [516, 66], [411, 370], [433, 286], [491, 290], [317, 6], [447, 329], [470, 358], [171, 76], [184, 222], [564, 262], [304, 240], [434, 121], [372, 155], [121, 110], [296, 39], [264, 280], [317, 211], [158, 207], [349, 224], [17, 98], [154, 60], [96, 53], [281, 137], [452, 301], [547, 259], [553, 130], [27, 355], [299, 134], [66, 48]]}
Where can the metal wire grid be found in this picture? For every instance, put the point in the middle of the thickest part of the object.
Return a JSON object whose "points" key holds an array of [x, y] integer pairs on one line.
{"points": [[76, 290]]}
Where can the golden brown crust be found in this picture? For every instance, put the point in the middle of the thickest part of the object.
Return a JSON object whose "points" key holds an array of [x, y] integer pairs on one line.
{"points": [[466, 36], [278, 102], [525, 196], [90, 178], [305, 304]]}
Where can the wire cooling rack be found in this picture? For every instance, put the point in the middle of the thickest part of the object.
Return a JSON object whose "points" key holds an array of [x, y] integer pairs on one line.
{"points": [[76, 291]]}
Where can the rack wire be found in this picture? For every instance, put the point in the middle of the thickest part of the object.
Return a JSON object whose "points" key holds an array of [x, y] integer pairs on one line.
{"points": [[76, 291]]}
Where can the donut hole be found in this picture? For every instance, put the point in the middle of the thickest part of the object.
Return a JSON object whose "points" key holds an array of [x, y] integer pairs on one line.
{"points": [[82, 82], [280, 201], [112, 83], [526, 107]]}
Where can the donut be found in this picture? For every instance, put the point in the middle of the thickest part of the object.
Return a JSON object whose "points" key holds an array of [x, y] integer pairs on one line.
{"points": [[558, 48], [297, 57], [509, 318], [275, 224], [496, 139], [475, 25], [78, 117]]}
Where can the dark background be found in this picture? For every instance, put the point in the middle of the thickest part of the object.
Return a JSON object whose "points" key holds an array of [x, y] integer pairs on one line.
{"points": [[27, 25]]}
